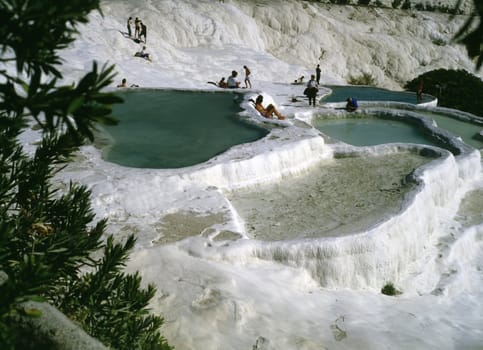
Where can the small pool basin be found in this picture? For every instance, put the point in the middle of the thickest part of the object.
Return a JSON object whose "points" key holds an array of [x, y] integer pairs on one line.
{"points": [[467, 130], [340, 93], [174, 129], [370, 131]]}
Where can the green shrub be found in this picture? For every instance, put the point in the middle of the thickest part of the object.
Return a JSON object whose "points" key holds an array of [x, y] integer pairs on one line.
{"points": [[456, 89], [406, 5], [363, 79], [389, 289], [419, 7], [439, 42], [47, 236]]}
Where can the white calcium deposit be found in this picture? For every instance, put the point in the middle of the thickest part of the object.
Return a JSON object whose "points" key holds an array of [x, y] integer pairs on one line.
{"points": [[221, 287]]}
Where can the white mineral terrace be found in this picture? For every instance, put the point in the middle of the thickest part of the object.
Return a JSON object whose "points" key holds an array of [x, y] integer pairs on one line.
{"points": [[285, 243]]}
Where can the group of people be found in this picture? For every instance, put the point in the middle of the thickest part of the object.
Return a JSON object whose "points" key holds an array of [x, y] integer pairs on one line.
{"points": [[312, 87], [311, 90], [270, 111], [300, 80], [233, 82], [140, 30]]}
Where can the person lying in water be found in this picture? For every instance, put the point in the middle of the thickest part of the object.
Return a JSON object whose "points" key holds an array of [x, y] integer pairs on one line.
{"points": [[267, 112]]}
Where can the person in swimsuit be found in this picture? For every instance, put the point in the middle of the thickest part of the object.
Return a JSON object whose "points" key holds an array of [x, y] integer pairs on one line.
{"points": [[129, 25], [269, 111], [137, 28], [247, 77], [123, 83]]}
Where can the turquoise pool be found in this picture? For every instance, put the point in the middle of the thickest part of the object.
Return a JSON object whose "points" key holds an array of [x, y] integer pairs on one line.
{"points": [[468, 131], [174, 129], [340, 93], [370, 131]]}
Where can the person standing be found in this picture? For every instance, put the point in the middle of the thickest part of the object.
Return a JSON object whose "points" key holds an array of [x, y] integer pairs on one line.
{"points": [[317, 74], [311, 90], [129, 24], [143, 32], [247, 77], [419, 93], [137, 28]]}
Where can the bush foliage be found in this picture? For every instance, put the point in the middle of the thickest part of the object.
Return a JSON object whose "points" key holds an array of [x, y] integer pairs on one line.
{"points": [[390, 290], [47, 236], [363, 79], [471, 34], [457, 89]]}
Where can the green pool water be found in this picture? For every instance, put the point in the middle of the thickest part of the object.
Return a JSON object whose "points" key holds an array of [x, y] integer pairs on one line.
{"points": [[369, 131], [340, 93], [174, 129], [466, 130]]}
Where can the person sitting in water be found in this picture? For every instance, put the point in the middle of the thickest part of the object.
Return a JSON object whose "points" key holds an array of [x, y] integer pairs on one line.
{"points": [[351, 105], [233, 82], [123, 83], [267, 112]]}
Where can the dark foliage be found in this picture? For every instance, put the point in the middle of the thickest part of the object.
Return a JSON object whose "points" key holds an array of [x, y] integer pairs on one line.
{"points": [[406, 5], [454, 89], [396, 3], [390, 290], [47, 236], [471, 34], [111, 304], [340, 2]]}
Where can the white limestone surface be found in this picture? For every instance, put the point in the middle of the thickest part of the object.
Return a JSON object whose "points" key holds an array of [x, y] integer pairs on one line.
{"points": [[218, 287]]}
